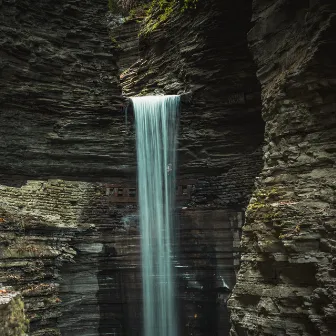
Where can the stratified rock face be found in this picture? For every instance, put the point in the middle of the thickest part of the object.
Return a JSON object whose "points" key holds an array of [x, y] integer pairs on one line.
{"points": [[286, 284], [73, 252], [13, 321], [70, 247], [204, 52], [203, 55], [60, 104]]}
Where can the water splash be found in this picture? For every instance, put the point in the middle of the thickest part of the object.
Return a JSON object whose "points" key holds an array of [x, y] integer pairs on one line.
{"points": [[156, 131]]}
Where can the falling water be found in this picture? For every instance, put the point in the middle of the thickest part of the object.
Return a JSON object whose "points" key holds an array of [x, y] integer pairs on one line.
{"points": [[156, 128]]}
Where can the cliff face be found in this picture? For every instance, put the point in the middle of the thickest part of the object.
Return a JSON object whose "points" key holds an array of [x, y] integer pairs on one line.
{"points": [[60, 98], [61, 113], [221, 129], [286, 284], [202, 54], [72, 251], [72, 248]]}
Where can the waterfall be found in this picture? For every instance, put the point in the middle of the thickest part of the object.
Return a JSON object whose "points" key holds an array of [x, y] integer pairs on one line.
{"points": [[156, 120]]}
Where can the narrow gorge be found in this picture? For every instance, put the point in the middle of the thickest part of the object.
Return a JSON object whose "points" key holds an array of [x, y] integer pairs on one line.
{"points": [[255, 185]]}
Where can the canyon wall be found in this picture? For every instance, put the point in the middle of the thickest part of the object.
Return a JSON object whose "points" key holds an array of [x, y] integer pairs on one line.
{"points": [[71, 244], [72, 247], [286, 283], [203, 55], [68, 247], [60, 98], [62, 115]]}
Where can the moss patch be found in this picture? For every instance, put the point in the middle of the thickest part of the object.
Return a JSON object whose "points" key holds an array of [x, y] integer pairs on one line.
{"points": [[160, 10], [12, 316]]}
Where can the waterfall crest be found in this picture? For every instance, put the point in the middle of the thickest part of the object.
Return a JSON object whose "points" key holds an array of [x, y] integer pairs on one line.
{"points": [[156, 119]]}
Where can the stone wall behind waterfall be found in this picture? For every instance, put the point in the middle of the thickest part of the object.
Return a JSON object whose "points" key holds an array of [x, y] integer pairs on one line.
{"points": [[204, 53], [73, 251], [69, 246]]}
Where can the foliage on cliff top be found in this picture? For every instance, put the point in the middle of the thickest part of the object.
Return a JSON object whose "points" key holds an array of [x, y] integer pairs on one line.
{"points": [[160, 10], [127, 5]]}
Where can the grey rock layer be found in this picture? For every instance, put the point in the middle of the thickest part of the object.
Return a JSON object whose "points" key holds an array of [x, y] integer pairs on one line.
{"points": [[60, 104], [286, 284]]}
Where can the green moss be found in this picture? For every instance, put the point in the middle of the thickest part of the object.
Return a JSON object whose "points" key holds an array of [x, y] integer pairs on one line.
{"points": [[260, 207], [139, 12], [268, 194], [144, 92], [188, 4], [17, 320], [160, 10]]}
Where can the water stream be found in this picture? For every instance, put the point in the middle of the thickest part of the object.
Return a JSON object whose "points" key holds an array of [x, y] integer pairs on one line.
{"points": [[156, 120]]}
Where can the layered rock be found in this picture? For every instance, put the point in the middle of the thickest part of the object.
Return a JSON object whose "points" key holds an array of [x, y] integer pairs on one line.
{"points": [[286, 284], [203, 55], [60, 101], [68, 247]]}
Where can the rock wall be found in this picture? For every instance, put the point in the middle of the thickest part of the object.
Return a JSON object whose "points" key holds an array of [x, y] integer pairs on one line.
{"points": [[72, 249], [12, 316], [60, 103], [69, 249], [203, 54], [286, 283]]}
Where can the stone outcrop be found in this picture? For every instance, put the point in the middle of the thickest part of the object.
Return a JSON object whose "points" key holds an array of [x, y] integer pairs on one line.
{"points": [[286, 284], [13, 321]]}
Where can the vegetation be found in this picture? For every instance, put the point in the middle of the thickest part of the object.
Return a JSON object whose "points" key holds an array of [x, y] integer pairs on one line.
{"points": [[160, 10], [127, 5], [165, 7], [155, 12], [188, 4]]}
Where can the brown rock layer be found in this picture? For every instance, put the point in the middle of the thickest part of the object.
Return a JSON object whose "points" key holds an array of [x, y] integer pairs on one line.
{"points": [[71, 252]]}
